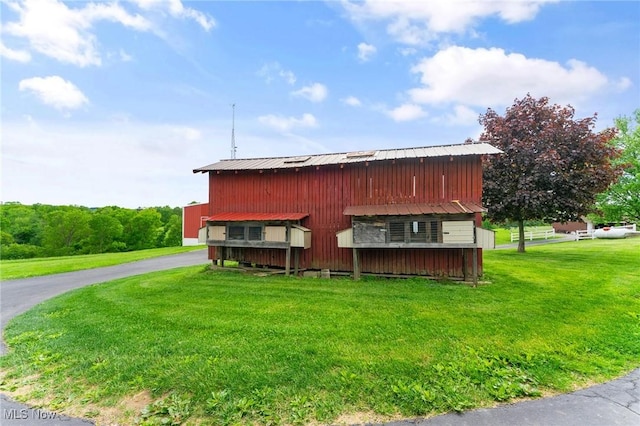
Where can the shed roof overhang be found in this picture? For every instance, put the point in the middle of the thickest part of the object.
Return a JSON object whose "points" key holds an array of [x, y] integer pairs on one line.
{"points": [[453, 207], [256, 217]]}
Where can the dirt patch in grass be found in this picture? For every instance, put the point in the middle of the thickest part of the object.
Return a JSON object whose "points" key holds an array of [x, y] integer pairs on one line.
{"points": [[124, 412]]}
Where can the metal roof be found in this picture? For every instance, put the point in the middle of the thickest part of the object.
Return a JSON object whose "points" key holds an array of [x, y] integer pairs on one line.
{"points": [[350, 157], [454, 207], [257, 217]]}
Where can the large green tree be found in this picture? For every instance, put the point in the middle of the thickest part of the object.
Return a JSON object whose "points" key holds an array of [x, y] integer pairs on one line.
{"points": [[621, 201], [552, 166], [66, 229], [105, 229], [143, 229]]}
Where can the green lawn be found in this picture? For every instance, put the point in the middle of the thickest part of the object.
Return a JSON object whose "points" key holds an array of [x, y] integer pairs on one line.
{"points": [[503, 235], [23, 268], [230, 348]]}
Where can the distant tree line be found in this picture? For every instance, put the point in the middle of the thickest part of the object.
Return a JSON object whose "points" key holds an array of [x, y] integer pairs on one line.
{"points": [[42, 230]]}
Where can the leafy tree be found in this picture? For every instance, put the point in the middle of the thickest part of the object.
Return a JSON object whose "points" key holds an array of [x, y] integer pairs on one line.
{"points": [[144, 228], [552, 166], [22, 222], [173, 232], [105, 229], [621, 202], [65, 230]]}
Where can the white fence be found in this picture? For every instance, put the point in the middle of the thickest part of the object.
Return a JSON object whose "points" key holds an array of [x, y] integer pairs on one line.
{"points": [[588, 233], [534, 235]]}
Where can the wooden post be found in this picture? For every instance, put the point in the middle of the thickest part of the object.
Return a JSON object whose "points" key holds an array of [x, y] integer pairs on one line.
{"points": [[296, 261], [475, 266], [464, 264], [356, 265], [287, 267], [223, 254]]}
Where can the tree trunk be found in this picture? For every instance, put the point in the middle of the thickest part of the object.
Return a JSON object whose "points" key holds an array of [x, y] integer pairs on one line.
{"points": [[521, 236]]}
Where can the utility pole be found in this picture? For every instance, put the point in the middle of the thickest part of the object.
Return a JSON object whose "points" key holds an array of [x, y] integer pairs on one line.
{"points": [[233, 131]]}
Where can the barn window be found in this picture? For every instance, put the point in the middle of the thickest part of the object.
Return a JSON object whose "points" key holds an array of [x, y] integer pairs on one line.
{"points": [[235, 232], [414, 231], [245, 233], [396, 232], [254, 233], [418, 232]]}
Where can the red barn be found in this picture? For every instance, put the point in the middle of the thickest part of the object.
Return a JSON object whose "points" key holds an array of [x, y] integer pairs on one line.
{"points": [[408, 211], [194, 218]]}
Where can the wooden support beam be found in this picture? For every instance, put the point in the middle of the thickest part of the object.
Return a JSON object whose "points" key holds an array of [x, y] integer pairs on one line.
{"points": [[356, 265], [287, 265], [464, 265], [296, 261], [475, 266]]}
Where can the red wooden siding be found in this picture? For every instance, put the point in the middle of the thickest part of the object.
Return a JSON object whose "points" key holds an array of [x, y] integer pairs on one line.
{"points": [[324, 192], [192, 219]]}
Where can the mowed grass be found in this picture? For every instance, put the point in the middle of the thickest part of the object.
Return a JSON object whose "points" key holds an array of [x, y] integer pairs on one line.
{"points": [[220, 348], [24, 268]]}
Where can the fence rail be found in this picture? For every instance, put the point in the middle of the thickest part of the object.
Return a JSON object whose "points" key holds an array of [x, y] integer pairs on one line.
{"points": [[587, 234], [534, 235]]}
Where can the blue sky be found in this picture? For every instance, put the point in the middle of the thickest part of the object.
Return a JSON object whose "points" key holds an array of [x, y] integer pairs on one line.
{"points": [[116, 102]]}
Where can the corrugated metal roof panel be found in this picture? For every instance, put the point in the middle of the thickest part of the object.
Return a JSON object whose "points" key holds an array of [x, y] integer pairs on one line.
{"points": [[341, 158], [258, 217], [453, 207]]}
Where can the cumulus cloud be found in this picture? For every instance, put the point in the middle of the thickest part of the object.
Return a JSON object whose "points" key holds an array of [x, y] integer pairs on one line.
{"points": [[406, 112], [55, 30], [285, 124], [55, 91], [14, 55], [492, 77], [66, 33], [417, 22], [352, 101], [462, 115], [273, 69], [176, 9], [315, 92], [366, 51]]}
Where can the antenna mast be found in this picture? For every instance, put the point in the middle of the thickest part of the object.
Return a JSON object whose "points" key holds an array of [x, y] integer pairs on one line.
{"points": [[233, 131]]}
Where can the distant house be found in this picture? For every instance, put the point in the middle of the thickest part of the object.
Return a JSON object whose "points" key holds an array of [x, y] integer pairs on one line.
{"points": [[414, 211], [194, 218]]}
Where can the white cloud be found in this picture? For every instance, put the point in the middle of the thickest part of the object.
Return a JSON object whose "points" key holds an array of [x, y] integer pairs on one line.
{"points": [[366, 51], [132, 164], [463, 116], [352, 101], [406, 112], [285, 124], [66, 33], [274, 69], [14, 55], [408, 51], [125, 57], [55, 91], [178, 10], [55, 30], [419, 22], [315, 93], [187, 133], [492, 77]]}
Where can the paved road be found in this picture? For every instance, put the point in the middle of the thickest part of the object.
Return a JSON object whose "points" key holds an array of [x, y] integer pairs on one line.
{"points": [[613, 403]]}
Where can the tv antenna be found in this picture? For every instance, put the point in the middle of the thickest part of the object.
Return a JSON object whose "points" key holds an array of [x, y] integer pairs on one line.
{"points": [[233, 131]]}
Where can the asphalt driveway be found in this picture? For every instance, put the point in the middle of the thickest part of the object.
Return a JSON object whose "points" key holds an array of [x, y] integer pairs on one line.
{"points": [[613, 403]]}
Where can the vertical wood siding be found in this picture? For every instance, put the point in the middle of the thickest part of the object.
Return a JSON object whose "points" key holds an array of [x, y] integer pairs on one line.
{"points": [[324, 192], [192, 219]]}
